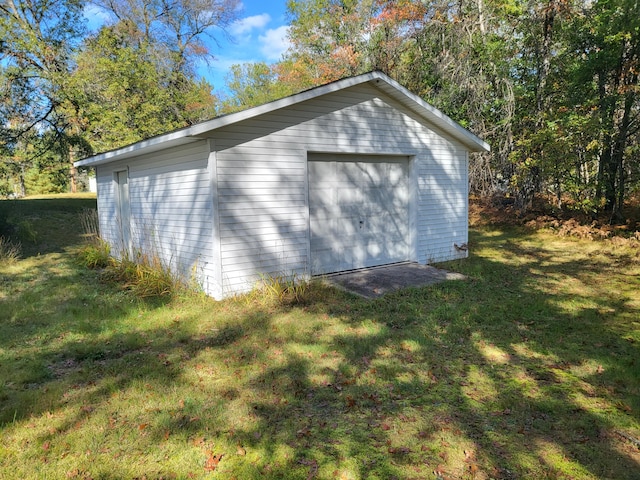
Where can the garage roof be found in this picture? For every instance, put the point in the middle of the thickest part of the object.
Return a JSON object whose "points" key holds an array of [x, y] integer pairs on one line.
{"points": [[377, 79]]}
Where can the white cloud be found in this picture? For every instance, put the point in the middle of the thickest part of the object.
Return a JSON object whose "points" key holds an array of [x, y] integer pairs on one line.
{"points": [[96, 16], [275, 42], [246, 25]]}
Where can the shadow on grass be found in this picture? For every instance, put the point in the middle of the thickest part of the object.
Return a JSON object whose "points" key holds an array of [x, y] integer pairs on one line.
{"points": [[45, 225], [526, 370], [510, 378]]}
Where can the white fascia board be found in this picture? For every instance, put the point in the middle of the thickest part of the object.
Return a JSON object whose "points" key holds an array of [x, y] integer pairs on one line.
{"points": [[153, 144]]}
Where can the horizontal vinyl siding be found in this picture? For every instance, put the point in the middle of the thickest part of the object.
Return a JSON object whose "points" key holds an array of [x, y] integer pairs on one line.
{"points": [[442, 219], [171, 207], [262, 175], [263, 226]]}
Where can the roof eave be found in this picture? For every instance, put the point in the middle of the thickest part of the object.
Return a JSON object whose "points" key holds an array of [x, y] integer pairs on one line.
{"points": [[145, 146]]}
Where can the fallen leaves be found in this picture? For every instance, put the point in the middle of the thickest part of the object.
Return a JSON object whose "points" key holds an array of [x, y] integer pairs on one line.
{"points": [[350, 401], [624, 407], [440, 473], [198, 442], [212, 461], [313, 467], [470, 459], [76, 473], [399, 450]]}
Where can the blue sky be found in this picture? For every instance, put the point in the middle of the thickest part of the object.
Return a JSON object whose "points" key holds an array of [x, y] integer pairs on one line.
{"points": [[259, 35]]}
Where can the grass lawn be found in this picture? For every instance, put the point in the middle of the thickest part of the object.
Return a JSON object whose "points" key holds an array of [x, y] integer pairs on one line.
{"points": [[528, 369]]}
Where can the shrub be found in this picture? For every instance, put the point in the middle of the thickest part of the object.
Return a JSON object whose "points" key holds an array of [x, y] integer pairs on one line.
{"points": [[26, 231]]}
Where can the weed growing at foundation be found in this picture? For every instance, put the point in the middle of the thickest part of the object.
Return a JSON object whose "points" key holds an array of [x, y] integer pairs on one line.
{"points": [[282, 288]]}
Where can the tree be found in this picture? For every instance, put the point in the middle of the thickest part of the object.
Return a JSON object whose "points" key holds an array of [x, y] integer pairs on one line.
{"points": [[119, 95], [611, 45], [172, 32], [331, 37], [48, 90], [174, 29], [38, 38], [253, 84], [540, 152], [578, 102]]}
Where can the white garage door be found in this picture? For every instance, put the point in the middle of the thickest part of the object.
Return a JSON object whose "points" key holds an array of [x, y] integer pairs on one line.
{"points": [[359, 211]]}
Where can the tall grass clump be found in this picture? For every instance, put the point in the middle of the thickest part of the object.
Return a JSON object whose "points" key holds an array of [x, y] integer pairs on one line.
{"points": [[147, 276], [95, 255], [14, 225], [26, 231], [9, 251], [282, 288]]}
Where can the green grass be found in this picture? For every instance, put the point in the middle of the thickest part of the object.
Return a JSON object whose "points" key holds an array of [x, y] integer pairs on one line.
{"points": [[528, 369], [44, 224]]}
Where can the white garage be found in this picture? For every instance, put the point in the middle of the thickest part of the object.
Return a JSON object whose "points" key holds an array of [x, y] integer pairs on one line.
{"points": [[356, 173]]}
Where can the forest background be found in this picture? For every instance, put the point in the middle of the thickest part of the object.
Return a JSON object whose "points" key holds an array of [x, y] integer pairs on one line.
{"points": [[551, 85]]}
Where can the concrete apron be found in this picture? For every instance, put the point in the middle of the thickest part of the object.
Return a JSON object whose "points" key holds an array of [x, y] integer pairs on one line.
{"points": [[377, 281]]}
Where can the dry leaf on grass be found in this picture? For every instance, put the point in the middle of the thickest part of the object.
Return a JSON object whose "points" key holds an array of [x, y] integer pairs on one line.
{"points": [[212, 461]]}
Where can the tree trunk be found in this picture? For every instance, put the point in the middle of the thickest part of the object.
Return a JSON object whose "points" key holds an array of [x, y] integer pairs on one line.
{"points": [[606, 188], [545, 67], [607, 174], [73, 172], [617, 161], [23, 188]]}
